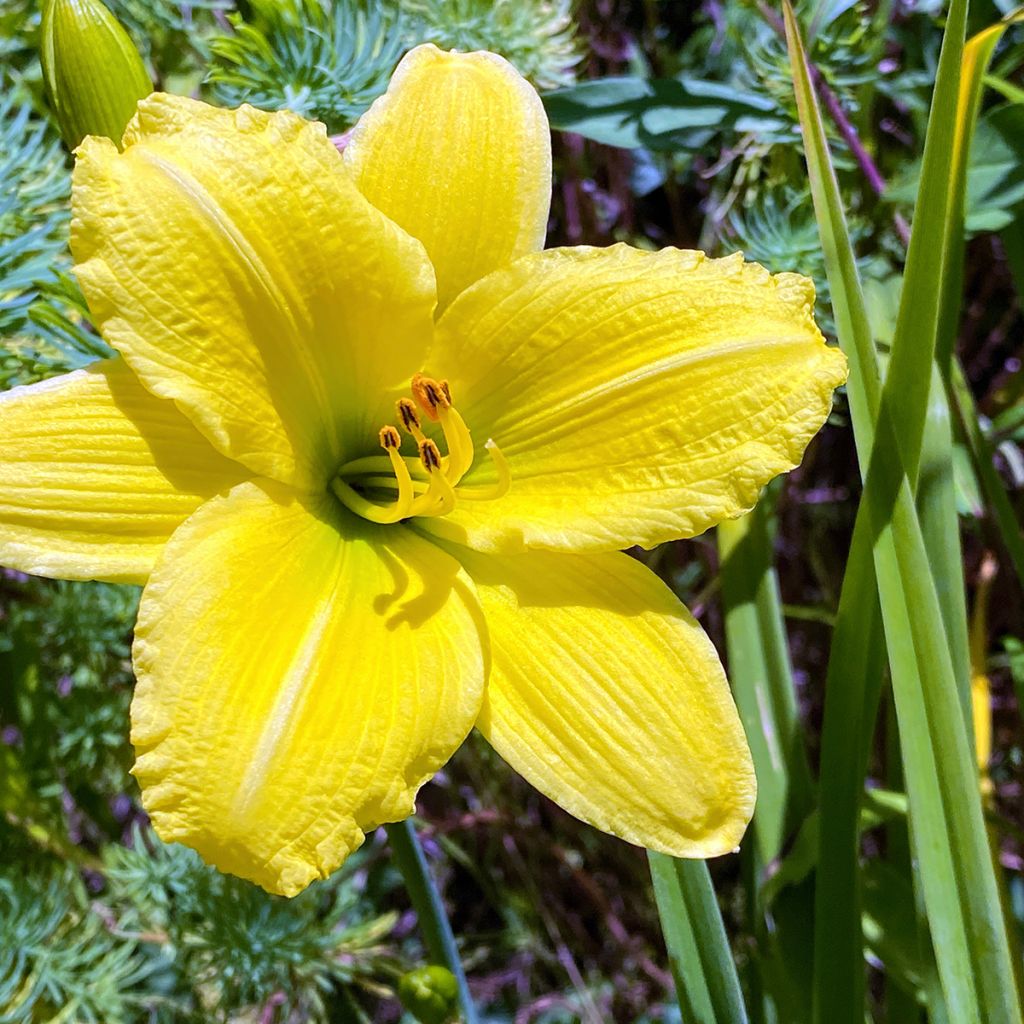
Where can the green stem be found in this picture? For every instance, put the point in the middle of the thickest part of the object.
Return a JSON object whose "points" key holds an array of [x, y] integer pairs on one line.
{"points": [[707, 985], [426, 901]]}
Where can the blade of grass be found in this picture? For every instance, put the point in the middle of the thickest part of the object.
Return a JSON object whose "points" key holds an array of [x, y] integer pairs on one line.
{"points": [[977, 56], [956, 872], [853, 685], [940, 526], [853, 682], [762, 678], [426, 901], [976, 60], [762, 682], [925, 324], [707, 984], [936, 495]]}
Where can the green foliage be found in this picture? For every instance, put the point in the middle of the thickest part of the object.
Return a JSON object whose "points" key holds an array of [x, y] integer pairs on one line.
{"points": [[776, 227], [58, 961], [42, 313], [64, 654], [234, 945], [329, 59], [322, 59], [171, 35], [537, 36], [658, 114], [164, 937]]}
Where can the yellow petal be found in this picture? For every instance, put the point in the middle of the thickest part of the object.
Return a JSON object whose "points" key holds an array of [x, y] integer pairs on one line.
{"points": [[301, 675], [608, 697], [229, 258], [637, 396], [96, 474], [458, 152]]}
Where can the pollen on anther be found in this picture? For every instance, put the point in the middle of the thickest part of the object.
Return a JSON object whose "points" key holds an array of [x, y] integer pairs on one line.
{"points": [[407, 414], [430, 394], [430, 455], [389, 437]]}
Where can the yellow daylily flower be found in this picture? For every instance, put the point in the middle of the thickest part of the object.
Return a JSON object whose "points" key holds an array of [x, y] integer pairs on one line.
{"points": [[374, 456]]}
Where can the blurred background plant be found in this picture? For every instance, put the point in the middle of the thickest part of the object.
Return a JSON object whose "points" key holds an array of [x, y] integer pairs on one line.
{"points": [[675, 125]]}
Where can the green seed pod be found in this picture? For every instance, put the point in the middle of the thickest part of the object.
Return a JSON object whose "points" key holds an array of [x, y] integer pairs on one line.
{"points": [[94, 74], [430, 994]]}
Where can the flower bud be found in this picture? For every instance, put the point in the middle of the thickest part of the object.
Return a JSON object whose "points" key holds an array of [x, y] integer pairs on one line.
{"points": [[93, 72], [430, 994]]}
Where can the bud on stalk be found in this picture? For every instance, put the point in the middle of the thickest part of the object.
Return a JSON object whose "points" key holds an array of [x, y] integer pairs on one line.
{"points": [[93, 72], [430, 994]]}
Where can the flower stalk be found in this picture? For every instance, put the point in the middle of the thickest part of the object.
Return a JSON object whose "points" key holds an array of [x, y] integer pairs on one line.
{"points": [[426, 901]]}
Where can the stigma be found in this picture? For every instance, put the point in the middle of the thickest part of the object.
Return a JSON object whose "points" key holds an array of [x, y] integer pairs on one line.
{"points": [[394, 487]]}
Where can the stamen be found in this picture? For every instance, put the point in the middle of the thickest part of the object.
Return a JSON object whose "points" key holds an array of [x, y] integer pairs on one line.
{"points": [[423, 486], [497, 489], [407, 414], [439, 498], [460, 444], [379, 464], [401, 508], [431, 395], [389, 438], [430, 456]]}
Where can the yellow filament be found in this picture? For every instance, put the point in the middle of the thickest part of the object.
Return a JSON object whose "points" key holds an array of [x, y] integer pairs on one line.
{"points": [[459, 442], [425, 486], [387, 483], [379, 464], [501, 485], [401, 508], [439, 498]]}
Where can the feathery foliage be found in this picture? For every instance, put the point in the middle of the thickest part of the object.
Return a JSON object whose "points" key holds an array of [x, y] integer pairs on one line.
{"points": [[42, 312], [325, 60], [537, 36]]}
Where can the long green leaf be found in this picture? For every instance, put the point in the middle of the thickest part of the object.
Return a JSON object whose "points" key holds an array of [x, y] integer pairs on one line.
{"points": [[914, 391], [707, 984], [762, 678], [977, 57], [956, 871], [852, 688], [762, 682], [854, 677]]}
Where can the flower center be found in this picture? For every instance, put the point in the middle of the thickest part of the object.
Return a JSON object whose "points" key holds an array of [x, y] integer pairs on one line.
{"points": [[391, 487]]}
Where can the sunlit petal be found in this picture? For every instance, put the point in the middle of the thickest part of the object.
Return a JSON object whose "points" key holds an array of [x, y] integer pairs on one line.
{"points": [[301, 674], [96, 474], [229, 258], [458, 152], [608, 697], [637, 396]]}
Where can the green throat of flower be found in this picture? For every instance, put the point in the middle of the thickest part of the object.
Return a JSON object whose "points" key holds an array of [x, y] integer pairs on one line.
{"points": [[392, 487]]}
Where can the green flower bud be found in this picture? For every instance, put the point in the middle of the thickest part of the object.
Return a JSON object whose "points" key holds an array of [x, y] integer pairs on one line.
{"points": [[94, 75], [430, 994]]}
